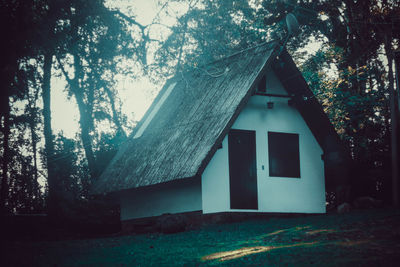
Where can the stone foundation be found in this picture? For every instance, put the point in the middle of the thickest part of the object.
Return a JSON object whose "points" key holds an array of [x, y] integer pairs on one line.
{"points": [[173, 223]]}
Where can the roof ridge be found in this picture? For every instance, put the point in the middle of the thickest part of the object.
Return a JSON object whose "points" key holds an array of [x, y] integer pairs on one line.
{"points": [[189, 69], [242, 51]]}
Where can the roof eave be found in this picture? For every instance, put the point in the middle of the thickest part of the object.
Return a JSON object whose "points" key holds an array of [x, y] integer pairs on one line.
{"points": [[308, 106]]}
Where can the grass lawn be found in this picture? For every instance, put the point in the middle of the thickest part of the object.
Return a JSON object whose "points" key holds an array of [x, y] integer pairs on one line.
{"points": [[359, 238]]}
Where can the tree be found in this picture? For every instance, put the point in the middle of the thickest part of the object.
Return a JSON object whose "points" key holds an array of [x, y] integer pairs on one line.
{"points": [[208, 31], [40, 32], [95, 38], [17, 22], [358, 32]]}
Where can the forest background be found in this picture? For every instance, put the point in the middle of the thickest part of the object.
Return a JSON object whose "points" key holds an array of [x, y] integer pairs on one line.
{"points": [[345, 50]]}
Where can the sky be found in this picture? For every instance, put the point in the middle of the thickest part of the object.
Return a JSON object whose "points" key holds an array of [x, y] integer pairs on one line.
{"points": [[136, 95]]}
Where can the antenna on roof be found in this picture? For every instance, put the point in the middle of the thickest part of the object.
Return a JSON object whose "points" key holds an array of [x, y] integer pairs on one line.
{"points": [[293, 29]]}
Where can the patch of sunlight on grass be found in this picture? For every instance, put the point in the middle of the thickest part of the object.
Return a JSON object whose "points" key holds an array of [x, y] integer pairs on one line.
{"points": [[245, 251], [299, 228], [294, 229], [350, 243], [313, 232], [276, 232], [234, 254]]}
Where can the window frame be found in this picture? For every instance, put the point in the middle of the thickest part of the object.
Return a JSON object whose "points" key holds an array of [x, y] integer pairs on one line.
{"points": [[276, 153]]}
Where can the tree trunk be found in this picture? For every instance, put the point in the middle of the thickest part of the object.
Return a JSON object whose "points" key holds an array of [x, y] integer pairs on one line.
{"points": [[52, 202], [6, 156], [36, 190], [33, 113], [85, 118], [85, 136], [393, 121], [116, 118]]}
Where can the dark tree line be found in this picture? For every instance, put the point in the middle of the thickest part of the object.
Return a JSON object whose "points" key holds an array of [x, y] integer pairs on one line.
{"points": [[85, 43]]}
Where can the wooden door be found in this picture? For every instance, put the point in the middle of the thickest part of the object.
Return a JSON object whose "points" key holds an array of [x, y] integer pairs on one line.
{"points": [[242, 169]]}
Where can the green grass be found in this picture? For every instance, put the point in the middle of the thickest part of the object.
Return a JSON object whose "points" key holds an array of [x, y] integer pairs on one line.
{"points": [[359, 238]]}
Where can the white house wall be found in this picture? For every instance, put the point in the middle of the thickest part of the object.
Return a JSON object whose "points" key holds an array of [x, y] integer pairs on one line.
{"points": [[273, 84], [275, 194], [173, 197]]}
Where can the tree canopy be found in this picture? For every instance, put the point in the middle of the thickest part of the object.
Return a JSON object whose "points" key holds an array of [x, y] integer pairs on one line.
{"points": [[345, 50]]}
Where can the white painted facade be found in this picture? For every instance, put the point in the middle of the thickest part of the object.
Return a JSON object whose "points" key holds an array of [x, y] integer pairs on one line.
{"points": [[172, 197], [275, 194]]}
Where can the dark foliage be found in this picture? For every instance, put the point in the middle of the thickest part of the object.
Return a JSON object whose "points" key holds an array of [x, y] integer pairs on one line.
{"points": [[86, 44]]}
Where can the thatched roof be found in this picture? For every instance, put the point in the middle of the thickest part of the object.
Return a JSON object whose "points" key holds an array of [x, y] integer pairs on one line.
{"points": [[190, 117]]}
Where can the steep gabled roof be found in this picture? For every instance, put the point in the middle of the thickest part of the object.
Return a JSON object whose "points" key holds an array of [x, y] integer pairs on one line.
{"points": [[188, 120], [185, 132]]}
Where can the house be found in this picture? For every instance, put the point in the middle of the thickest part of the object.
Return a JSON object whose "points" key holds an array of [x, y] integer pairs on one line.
{"points": [[243, 134]]}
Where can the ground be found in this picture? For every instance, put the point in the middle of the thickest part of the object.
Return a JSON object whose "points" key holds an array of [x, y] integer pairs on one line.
{"points": [[358, 238]]}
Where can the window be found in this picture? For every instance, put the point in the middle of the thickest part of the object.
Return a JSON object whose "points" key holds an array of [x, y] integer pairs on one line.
{"points": [[283, 155]]}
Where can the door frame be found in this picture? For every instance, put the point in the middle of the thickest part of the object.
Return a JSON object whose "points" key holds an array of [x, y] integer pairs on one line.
{"points": [[251, 189]]}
